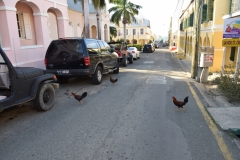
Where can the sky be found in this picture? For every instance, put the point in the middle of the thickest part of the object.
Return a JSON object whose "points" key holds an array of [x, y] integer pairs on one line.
{"points": [[159, 13]]}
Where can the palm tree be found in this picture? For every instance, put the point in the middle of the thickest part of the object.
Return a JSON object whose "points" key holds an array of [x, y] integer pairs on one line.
{"points": [[113, 32], [85, 7], [98, 4], [125, 10]]}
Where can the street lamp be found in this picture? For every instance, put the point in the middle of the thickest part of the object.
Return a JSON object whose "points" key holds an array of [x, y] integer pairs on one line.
{"points": [[138, 37], [133, 36]]}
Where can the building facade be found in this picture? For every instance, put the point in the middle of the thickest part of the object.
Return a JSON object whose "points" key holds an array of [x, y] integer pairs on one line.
{"points": [[28, 26], [211, 30], [136, 33], [231, 35]]}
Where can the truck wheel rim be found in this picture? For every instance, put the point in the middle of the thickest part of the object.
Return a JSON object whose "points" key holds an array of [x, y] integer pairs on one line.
{"points": [[99, 75], [46, 96]]}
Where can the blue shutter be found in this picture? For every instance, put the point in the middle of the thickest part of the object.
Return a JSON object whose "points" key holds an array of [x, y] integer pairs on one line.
{"points": [[204, 13], [210, 10], [191, 19]]}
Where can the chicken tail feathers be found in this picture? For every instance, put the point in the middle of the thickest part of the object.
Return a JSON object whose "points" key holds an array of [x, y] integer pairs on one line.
{"points": [[185, 100], [84, 95]]}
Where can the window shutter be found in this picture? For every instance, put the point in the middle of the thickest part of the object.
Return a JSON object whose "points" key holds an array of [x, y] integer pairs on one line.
{"points": [[191, 19], [27, 25], [232, 55], [181, 26], [204, 13], [230, 6], [210, 10], [188, 22]]}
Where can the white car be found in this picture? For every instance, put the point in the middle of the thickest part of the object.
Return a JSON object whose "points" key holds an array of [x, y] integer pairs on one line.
{"points": [[134, 52]]}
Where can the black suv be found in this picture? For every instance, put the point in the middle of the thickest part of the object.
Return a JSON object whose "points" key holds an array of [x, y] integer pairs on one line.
{"points": [[70, 57], [148, 48]]}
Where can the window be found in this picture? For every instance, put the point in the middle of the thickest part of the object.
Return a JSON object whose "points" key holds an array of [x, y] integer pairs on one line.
{"points": [[142, 31], [92, 47], [210, 10], [191, 19], [126, 31], [134, 31], [24, 26], [235, 5], [204, 13]]}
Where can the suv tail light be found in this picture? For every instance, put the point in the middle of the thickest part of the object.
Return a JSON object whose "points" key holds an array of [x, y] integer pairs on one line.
{"points": [[86, 61], [45, 62]]}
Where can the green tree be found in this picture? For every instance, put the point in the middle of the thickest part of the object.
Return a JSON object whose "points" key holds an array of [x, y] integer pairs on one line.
{"points": [[124, 10], [98, 4], [113, 32]]}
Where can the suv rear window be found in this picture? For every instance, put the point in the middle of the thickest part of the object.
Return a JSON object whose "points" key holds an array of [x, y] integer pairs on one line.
{"points": [[58, 48]]}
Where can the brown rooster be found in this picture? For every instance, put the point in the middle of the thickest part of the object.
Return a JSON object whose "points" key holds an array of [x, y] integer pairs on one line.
{"points": [[113, 80], [180, 104], [79, 97]]}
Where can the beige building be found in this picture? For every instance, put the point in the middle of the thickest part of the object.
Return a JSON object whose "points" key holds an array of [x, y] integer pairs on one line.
{"points": [[211, 34], [136, 33]]}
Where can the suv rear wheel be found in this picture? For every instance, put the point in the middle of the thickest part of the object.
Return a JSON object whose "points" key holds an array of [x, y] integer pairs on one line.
{"points": [[124, 61], [117, 69], [44, 99], [97, 76], [130, 59]]}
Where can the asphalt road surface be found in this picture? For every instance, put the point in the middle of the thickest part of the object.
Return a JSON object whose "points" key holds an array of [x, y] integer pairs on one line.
{"points": [[133, 119]]}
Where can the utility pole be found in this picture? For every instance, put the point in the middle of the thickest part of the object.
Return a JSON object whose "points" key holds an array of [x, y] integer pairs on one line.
{"points": [[170, 33], [196, 36]]}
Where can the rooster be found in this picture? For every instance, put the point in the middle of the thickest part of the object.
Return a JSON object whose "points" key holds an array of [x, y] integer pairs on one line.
{"points": [[180, 104], [79, 97], [113, 80]]}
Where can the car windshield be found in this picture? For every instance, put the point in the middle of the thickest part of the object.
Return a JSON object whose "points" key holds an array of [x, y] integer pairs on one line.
{"points": [[130, 48]]}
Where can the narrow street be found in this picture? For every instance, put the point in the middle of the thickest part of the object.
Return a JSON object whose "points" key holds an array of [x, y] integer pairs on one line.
{"points": [[133, 119]]}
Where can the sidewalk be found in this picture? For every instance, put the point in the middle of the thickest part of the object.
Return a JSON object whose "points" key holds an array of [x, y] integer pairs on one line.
{"points": [[225, 114]]}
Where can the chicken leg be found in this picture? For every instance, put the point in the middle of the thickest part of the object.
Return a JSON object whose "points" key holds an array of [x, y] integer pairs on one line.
{"points": [[80, 102]]}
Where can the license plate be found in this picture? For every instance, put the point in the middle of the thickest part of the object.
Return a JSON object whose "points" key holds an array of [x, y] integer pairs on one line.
{"points": [[63, 71]]}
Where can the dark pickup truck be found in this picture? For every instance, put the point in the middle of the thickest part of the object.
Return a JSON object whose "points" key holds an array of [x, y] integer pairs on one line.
{"points": [[22, 84]]}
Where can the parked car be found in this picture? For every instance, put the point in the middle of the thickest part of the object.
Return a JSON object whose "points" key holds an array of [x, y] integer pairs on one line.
{"points": [[148, 48], [22, 84], [134, 51], [156, 45], [121, 49], [71, 57]]}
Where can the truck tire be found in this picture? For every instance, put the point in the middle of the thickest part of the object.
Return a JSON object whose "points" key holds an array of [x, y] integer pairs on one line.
{"points": [[117, 70], [45, 97], [124, 61], [130, 59], [97, 76]]}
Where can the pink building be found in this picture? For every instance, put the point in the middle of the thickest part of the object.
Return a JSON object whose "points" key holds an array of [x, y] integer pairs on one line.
{"points": [[28, 26]]}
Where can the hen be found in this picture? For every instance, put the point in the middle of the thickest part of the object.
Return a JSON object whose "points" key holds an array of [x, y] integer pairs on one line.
{"points": [[113, 80], [180, 104], [79, 97]]}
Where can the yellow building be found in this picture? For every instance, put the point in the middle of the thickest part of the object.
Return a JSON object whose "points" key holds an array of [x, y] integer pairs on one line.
{"points": [[211, 33], [136, 33]]}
